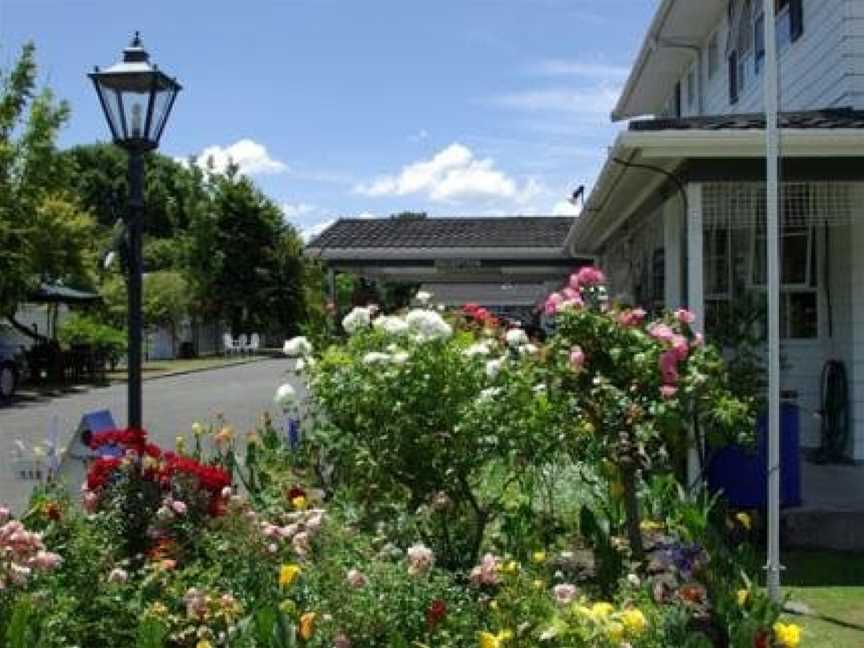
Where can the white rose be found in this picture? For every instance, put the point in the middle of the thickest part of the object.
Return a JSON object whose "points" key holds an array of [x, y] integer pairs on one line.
{"points": [[478, 349], [376, 357], [357, 320], [516, 337], [391, 325], [423, 297], [286, 396], [297, 347], [493, 368], [429, 324]]}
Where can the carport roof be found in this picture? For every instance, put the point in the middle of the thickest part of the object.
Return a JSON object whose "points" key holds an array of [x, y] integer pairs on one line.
{"points": [[455, 232]]}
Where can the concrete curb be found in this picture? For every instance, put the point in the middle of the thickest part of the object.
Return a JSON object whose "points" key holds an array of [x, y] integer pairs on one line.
{"points": [[183, 372]]}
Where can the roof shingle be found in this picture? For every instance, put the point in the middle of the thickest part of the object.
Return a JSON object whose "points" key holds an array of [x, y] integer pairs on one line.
{"points": [[831, 118], [505, 232]]}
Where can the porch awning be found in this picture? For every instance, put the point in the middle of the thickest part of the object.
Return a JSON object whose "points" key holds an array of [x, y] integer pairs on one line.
{"points": [[624, 184], [487, 294]]}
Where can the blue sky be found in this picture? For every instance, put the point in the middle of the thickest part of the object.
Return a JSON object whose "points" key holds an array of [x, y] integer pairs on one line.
{"points": [[341, 108]]}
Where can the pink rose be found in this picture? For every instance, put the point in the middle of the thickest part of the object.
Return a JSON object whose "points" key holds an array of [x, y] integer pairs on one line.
{"points": [[685, 316], [46, 560], [587, 277], [668, 391], [660, 331], [631, 317], [486, 573], [564, 594], [669, 367], [571, 293], [680, 347], [420, 559], [5, 514], [577, 358], [553, 302], [179, 507]]}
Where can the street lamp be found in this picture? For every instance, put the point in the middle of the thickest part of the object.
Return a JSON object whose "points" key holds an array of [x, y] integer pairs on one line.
{"points": [[137, 98]]}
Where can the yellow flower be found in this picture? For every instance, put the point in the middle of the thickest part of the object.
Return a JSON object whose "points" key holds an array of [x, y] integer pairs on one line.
{"points": [[744, 520], [180, 445], [510, 567], [634, 621], [307, 625], [197, 429], [789, 635], [488, 640], [615, 631], [299, 503], [539, 557], [602, 610], [493, 604], [288, 574], [539, 584], [743, 596], [204, 644]]}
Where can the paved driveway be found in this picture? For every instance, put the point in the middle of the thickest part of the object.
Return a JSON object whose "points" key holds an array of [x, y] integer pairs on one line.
{"points": [[171, 405]]}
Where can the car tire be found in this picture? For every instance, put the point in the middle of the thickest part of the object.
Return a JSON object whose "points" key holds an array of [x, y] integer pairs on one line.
{"points": [[8, 381]]}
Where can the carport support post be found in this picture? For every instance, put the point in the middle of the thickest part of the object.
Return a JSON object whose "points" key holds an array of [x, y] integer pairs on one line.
{"points": [[133, 229], [696, 305]]}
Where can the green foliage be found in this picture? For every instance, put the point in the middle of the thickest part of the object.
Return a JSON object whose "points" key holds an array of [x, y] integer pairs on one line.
{"points": [[80, 329], [44, 232]]}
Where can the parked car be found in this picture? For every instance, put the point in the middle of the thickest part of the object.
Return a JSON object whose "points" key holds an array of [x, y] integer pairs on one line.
{"points": [[13, 369]]}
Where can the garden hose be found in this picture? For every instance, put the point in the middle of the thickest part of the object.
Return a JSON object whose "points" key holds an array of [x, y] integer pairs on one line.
{"points": [[834, 413]]}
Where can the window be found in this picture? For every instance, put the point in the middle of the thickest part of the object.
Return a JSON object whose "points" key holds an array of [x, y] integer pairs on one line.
{"points": [[796, 16], [733, 77], [717, 277], [713, 56], [759, 43], [691, 89]]}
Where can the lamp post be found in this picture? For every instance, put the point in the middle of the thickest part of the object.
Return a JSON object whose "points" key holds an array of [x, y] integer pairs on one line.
{"points": [[137, 98]]}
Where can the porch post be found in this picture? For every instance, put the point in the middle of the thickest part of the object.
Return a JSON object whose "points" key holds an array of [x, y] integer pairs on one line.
{"points": [[673, 246], [695, 302]]}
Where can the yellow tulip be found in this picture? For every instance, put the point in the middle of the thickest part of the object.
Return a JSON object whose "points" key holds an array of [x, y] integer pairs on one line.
{"points": [[743, 596], [488, 640], [203, 644], [288, 574], [789, 635], [510, 567], [744, 520], [307, 625]]}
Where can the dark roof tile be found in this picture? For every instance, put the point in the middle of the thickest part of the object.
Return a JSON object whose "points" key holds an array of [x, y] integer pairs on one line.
{"points": [[504, 232], [830, 118]]}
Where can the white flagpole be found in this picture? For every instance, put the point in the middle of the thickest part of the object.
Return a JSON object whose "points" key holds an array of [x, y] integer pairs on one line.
{"points": [[772, 140]]}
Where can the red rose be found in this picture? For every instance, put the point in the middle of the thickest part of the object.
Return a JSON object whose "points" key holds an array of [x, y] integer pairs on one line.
{"points": [[761, 639], [436, 613]]}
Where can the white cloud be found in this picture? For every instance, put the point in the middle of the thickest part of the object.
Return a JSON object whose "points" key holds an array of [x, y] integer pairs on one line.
{"points": [[590, 104], [453, 174], [366, 216], [566, 208], [309, 233], [296, 211], [252, 158], [587, 70], [420, 136]]}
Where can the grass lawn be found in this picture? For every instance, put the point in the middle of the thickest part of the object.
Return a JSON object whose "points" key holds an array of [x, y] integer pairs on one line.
{"points": [[831, 584], [168, 367]]}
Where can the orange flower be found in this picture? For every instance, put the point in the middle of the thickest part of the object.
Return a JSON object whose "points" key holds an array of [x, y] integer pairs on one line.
{"points": [[307, 625]]}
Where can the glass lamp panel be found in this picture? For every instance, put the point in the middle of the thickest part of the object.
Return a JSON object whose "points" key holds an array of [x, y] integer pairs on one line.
{"points": [[135, 105], [162, 101], [112, 108]]}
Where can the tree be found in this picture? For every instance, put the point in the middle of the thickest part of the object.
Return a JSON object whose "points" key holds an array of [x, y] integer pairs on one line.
{"points": [[45, 235], [166, 302], [243, 260]]}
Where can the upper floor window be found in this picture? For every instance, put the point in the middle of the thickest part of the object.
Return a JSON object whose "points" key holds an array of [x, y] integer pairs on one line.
{"points": [[759, 42], [796, 16]]}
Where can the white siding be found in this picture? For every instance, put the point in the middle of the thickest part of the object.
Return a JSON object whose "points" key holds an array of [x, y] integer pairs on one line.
{"points": [[824, 68]]}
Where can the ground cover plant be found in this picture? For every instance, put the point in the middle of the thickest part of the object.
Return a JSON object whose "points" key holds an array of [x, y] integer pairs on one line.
{"points": [[448, 482]]}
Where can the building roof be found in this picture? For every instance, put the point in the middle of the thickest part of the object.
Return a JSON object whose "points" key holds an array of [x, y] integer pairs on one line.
{"points": [[678, 27], [468, 232], [832, 118]]}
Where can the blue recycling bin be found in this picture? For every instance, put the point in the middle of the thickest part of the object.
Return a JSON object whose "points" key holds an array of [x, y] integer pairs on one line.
{"points": [[742, 474]]}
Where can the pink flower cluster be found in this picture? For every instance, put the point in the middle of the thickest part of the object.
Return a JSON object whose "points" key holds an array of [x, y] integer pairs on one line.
{"points": [[21, 553], [571, 295], [486, 573], [300, 528], [677, 350], [564, 594]]}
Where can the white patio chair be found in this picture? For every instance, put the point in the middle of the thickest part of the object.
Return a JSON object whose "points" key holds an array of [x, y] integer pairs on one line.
{"points": [[254, 343], [228, 344], [242, 343]]}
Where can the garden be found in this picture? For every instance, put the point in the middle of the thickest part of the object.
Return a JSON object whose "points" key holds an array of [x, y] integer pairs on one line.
{"points": [[446, 482]]}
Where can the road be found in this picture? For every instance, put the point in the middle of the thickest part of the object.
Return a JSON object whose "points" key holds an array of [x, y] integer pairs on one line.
{"points": [[171, 405]]}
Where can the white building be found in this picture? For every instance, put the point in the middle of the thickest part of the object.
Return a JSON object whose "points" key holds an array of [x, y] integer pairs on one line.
{"points": [[677, 215]]}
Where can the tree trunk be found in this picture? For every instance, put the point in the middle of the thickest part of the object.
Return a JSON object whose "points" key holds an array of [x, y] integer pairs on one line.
{"points": [[631, 510]]}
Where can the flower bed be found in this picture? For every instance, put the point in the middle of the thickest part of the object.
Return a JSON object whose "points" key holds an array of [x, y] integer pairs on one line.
{"points": [[455, 484]]}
